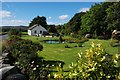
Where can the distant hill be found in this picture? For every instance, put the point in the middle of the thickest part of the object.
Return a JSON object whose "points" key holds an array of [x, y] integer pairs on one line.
{"points": [[16, 27], [6, 28]]}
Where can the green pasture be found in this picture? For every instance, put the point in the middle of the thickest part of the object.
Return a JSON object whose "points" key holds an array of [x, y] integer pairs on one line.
{"points": [[58, 52]]}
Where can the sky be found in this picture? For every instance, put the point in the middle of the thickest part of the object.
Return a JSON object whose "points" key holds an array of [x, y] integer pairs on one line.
{"points": [[54, 0], [21, 13]]}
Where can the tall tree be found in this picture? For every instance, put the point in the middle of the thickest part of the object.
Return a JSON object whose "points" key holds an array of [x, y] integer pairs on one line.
{"points": [[94, 20], [40, 21], [51, 29], [113, 17], [73, 26], [89, 20]]}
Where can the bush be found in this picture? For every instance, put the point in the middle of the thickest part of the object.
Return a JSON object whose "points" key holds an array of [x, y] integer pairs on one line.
{"points": [[14, 37], [66, 46], [23, 54], [74, 35], [75, 46], [73, 40], [96, 65], [60, 39], [14, 32], [114, 43], [11, 40], [101, 37], [80, 44], [83, 40]]}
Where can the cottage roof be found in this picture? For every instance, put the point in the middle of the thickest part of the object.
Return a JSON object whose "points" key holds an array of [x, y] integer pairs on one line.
{"points": [[30, 28]]}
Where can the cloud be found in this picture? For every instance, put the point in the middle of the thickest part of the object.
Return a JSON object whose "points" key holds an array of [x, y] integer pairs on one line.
{"points": [[50, 23], [14, 22], [5, 14], [63, 17], [84, 9], [49, 17], [54, 23]]}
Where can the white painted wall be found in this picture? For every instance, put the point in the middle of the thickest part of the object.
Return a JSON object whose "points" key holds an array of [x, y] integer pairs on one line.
{"points": [[38, 29], [29, 32]]}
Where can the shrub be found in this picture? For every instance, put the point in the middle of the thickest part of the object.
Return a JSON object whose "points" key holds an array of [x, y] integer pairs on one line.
{"points": [[73, 40], [75, 35], [75, 46], [14, 32], [66, 46], [96, 65], [114, 43], [101, 37], [83, 40], [60, 39], [11, 40], [59, 73], [14, 37], [23, 54], [80, 44], [70, 40], [3, 33]]}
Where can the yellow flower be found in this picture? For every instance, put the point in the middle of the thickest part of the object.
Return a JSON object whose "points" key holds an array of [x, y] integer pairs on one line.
{"points": [[103, 58], [34, 69], [115, 61], [93, 44], [99, 45], [79, 55], [117, 56]]}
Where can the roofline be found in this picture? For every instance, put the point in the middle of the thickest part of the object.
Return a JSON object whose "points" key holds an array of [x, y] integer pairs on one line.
{"points": [[30, 28]]}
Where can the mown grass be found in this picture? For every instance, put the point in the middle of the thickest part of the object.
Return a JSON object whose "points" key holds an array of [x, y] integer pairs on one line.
{"points": [[58, 52]]}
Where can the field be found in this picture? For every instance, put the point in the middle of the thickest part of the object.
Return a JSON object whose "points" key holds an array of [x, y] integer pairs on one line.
{"points": [[58, 52]]}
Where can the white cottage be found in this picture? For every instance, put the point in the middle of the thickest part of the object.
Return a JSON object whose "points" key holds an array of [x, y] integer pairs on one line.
{"points": [[36, 30]]}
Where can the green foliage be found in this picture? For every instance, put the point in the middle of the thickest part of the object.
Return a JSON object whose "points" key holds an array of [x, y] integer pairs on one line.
{"points": [[80, 44], [73, 26], [60, 28], [60, 39], [40, 21], [112, 18], [100, 37], [4, 29], [14, 36], [99, 65], [23, 54], [3, 33], [74, 40], [51, 29], [14, 32], [11, 40], [66, 46], [114, 43], [74, 35], [68, 54], [59, 73], [94, 20], [82, 40], [100, 21]]}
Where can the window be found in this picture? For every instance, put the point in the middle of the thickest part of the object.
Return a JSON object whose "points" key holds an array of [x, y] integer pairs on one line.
{"points": [[40, 31], [35, 31]]}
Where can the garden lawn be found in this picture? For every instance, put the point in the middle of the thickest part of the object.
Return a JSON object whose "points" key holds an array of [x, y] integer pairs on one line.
{"points": [[58, 52]]}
